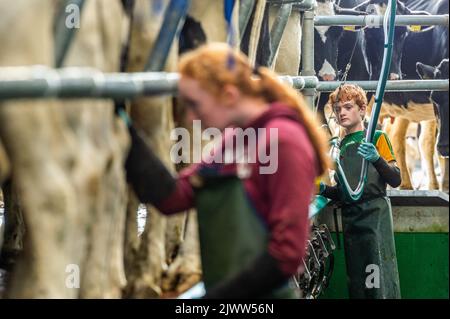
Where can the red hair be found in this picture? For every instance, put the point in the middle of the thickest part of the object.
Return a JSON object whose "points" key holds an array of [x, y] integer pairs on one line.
{"points": [[209, 65]]}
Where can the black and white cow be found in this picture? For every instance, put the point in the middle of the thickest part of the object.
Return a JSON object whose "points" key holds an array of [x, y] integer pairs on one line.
{"points": [[439, 99], [374, 36], [428, 47], [335, 47], [350, 48], [193, 34], [328, 40]]}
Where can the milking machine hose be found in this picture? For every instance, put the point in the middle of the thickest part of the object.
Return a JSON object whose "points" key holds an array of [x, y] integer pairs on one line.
{"points": [[354, 195], [389, 29]]}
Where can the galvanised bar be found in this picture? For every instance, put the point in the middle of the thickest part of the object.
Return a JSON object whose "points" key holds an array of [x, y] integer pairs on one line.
{"points": [[300, 82], [391, 86], [299, 5], [377, 21], [38, 82]]}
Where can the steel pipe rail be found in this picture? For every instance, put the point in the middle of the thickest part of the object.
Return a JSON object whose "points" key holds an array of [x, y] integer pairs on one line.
{"points": [[391, 86], [300, 82], [312, 82], [44, 82], [299, 5], [377, 21]]}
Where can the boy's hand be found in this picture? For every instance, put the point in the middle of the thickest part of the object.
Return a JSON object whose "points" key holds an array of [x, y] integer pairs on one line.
{"points": [[369, 152]]}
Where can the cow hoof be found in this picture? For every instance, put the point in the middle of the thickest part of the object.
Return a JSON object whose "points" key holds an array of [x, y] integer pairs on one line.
{"points": [[142, 289], [182, 274], [406, 187], [433, 186]]}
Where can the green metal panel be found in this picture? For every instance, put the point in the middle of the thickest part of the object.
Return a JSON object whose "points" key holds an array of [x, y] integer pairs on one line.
{"points": [[423, 267], [337, 289]]}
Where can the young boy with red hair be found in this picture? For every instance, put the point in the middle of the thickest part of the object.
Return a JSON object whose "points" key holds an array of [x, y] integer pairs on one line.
{"points": [[367, 223]]}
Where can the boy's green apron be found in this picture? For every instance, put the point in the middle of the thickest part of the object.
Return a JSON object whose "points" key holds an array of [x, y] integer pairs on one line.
{"points": [[231, 233], [368, 230]]}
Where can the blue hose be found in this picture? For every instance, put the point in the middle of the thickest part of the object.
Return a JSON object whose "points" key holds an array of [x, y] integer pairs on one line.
{"points": [[354, 195], [173, 20], [389, 31]]}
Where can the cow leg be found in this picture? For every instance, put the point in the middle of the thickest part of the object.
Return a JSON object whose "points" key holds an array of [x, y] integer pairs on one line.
{"points": [[14, 230], [5, 166], [174, 236], [398, 135], [427, 142], [103, 271], [46, 194], [287, 59], [132, 240], [413, 158], [68, 164], [38, 150], [443, 163], [97, 173], [185, 271], [154, 117], [5, 170], [144, 280], [2, 220]]}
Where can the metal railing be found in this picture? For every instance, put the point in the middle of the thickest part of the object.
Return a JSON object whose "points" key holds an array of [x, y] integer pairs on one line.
{"points": [[38, 82], [310, 21], [43, 82], [75, 82], [375, 20]]}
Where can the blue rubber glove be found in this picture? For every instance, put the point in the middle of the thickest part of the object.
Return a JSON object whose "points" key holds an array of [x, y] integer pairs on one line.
{"points": [[369, 152]]}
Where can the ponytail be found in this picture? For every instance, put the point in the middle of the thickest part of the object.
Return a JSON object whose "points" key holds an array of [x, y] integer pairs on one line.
{"points": [[274, 90]]}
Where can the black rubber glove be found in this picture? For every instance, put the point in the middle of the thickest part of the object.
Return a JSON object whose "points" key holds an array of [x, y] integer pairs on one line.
{"points": [[331, 192], [390, 173], [257, 280], [150, 179]]}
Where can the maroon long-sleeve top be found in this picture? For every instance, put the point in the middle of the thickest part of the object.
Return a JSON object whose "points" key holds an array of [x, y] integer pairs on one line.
{"points": [[281, 198]]}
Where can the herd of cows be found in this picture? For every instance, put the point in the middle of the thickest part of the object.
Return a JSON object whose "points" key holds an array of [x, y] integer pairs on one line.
{"points": [[68, 209], [416, 55]]}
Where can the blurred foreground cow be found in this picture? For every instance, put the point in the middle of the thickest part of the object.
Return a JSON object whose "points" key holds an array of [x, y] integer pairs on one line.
{"points": [[66, 159]]}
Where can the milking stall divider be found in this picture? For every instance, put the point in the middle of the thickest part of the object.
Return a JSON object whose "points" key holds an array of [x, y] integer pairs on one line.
{"points": [[420, 217]]}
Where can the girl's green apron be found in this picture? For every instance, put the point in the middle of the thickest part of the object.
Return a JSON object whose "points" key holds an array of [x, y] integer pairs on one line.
{"points": [[231, 233], [368, 230]]}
